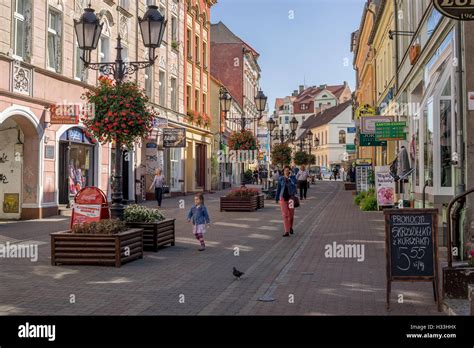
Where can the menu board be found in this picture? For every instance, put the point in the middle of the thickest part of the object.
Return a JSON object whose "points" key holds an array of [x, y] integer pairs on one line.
{"points": [[411, 247]]}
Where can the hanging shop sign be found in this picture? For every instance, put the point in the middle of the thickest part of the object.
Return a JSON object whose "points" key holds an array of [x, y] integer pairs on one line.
{"points": [[411, 248], [391, 131], [174, 137], [68, 113], [350, 148], [385, 186], [368, 124], [365, 111], [462, 10], [370, 140]]}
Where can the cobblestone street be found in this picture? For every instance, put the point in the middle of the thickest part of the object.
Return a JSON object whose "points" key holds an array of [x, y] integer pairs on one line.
{"points": [[283, 276]]}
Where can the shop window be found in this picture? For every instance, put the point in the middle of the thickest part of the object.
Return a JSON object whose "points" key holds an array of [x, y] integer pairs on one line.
{"points": [[428, 142], [445, 142]]}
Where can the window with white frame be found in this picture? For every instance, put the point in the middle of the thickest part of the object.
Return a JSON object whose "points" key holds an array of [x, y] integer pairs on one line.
{"points": [[174, 29], [54, 48], [22, 29], [162, 88], [80, 73], [174, 94]]}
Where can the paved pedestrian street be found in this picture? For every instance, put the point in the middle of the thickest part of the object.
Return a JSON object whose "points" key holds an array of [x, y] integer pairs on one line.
{"points": [[283, 276]]}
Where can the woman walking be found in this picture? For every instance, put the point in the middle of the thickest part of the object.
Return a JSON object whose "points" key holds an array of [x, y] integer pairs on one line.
{"points": [[158, 183], [285, 194], [302, 178]]}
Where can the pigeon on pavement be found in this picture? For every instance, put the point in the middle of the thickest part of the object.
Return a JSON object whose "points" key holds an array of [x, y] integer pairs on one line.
{"points": [[237, 274]]}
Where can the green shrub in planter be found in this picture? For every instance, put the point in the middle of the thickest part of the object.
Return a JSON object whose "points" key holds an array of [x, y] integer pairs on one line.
{"points": [[359, 198], [138, 213], [100, 227], [369, 203]]}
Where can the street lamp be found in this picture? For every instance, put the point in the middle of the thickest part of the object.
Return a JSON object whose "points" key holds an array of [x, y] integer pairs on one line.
{"points": [[294, 125], [260, 102], [281, 136], [225, 100], [271, 124], [88, 30]]}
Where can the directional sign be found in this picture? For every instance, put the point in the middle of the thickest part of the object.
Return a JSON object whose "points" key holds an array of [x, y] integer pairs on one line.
{"points": [[369, 140]]}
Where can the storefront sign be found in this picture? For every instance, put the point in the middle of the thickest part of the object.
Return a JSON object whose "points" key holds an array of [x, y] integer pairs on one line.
{"points": [[160, 122], [68, 113], [367, 124], [462, 10], [385, 187], [350, 148], [174, 137], [391, 131], [369, 140], [470, 99], [49, 151], [365, 111]]}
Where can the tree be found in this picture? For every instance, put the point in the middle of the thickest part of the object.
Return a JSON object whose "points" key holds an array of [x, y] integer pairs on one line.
{"points": [[281, 154], [301, 158]]}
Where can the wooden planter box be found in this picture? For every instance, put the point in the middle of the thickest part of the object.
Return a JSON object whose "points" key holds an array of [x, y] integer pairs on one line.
{"points": [[456, 281], [156, 234], [68, 248], [239, 203], [350, 186], [260, 201]]}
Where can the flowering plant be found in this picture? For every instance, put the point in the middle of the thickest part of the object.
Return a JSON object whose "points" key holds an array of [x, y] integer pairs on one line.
{"points": [[243, 140], [138, 213], [244, 192], [471, 258], [206, 120], [121, 112]]}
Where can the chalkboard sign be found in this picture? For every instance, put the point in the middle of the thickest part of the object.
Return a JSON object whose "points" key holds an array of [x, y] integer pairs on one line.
{"points": [[411, 247]]}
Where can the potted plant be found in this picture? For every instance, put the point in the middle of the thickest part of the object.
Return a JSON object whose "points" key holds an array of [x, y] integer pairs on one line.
{"points": [[242, 199], [157, 230], [106, 242]]}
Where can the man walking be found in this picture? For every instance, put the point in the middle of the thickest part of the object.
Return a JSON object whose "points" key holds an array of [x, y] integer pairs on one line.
{"points": [[302, 179]]}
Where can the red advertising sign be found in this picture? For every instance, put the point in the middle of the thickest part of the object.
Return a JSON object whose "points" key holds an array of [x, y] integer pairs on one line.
{"points": [[90, 205]]}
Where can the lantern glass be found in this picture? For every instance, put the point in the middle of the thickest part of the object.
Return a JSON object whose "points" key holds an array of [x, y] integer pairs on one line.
{"points": [[152, 27], [88, 30], [271, 125], [226, 101], [294, 124], [260, 101]]}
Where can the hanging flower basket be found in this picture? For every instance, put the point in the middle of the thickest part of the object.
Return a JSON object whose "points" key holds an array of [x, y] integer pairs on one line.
{"points": [[243, 141], [121, 112]]}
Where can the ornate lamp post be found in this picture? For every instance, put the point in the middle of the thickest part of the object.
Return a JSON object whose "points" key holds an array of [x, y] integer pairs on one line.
{"points": [[225, 100], [290, 136], [88, 30]]}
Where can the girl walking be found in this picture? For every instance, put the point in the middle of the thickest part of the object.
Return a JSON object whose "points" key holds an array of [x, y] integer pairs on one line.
{"points": [[286, 191], [158, 183], [199, 217]]}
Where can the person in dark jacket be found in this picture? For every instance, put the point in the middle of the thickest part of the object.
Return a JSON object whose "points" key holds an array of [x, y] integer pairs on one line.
{"points": [[286, 190]]}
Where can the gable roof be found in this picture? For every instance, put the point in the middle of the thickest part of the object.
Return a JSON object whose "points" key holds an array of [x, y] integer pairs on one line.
{"points": [[309, 93], [325, 116], [221, 34]]}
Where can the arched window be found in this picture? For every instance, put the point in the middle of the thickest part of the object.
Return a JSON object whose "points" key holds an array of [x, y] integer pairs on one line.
{"points": [[342, 137]]}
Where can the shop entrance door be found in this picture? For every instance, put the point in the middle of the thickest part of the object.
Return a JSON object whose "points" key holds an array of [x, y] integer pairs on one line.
{"points": [[200, 166], [76, 164]]}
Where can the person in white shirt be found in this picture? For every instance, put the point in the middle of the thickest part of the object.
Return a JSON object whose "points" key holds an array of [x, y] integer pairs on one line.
{"points": [[158, 183], [302, 178]]}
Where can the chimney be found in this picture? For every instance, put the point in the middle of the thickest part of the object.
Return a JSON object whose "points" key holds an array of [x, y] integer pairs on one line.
{"points": [[295, 93], [323, 86], [346, 84], [301, 88]]}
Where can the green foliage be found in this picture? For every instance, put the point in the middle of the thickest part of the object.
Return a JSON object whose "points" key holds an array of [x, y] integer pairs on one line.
{"points": [[369, 203], [244, 192], [301, 158], [281, 154], [242, 140], [248, 175], [360, 197], [101, 227], [311, 159], [138, 213]]}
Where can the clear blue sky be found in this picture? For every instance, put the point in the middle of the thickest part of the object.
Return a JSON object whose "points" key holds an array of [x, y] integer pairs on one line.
{"points": [[312, 46]]}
